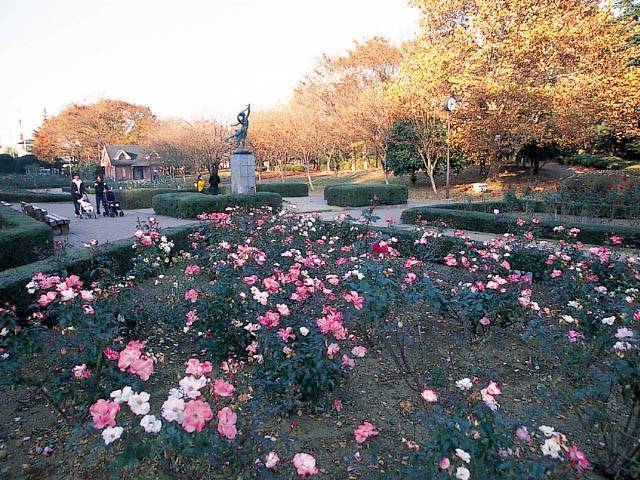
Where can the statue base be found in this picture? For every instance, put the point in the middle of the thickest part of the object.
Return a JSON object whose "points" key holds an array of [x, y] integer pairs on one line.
{"points": [[243, 172]]}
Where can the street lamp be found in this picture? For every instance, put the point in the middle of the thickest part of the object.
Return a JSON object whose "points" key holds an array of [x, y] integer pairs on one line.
{"points": [[449, 106]]}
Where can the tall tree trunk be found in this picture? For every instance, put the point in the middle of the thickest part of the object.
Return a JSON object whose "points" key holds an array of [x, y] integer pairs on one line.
{"points": [[307, 162]]}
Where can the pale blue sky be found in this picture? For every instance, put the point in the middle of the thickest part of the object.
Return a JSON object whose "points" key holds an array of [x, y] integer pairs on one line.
{"points": [[186, 58]]}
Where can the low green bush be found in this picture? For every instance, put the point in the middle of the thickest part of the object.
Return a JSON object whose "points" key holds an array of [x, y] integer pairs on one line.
{"points": [[504, 222], [190, 205], [31, 197], [83, 262], [598, 161], [141, 198], [285, 189], [364, 194], [22, 239], [13, 182]]}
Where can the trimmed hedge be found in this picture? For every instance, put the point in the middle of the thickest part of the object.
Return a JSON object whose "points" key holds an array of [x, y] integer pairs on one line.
{"points": [[82, 262], [365, 194], [285, 189], [33, 181], [33, 197], [599, 161], [504, 222], [141, 198], [22, 239], [190, 205]]}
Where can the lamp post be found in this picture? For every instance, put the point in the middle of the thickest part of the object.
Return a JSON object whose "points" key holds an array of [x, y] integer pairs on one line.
{"points": [[449, 106]]}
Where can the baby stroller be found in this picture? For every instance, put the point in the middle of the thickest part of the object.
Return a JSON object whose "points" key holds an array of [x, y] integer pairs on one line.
{"points": [[86, 209], [111, 204]]}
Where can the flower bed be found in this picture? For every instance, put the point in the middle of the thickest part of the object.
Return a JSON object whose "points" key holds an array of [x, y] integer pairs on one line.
{"points": [[365, 194], [190, 205], [22, 239], [279, 346], [465, 216]]}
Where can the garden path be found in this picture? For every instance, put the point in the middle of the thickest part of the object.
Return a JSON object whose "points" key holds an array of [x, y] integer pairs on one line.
{"points": [[104, 229]]}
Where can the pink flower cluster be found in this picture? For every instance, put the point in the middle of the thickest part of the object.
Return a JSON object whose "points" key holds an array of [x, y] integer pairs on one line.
{"points": [[132, 359]]}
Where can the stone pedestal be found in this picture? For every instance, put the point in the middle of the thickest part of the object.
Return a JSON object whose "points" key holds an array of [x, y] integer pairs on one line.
{"points": [[243, 172]]}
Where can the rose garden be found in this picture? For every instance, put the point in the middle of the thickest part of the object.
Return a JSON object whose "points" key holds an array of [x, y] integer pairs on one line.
{"points": [[412, 253]]}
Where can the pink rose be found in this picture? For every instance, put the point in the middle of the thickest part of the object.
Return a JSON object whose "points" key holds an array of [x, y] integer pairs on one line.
{"points": [[197, 368], [429, 395], [127, 356], [196, 414], [223, 388], [191, 295], [103, 413], [365, 431], [444, 463], [143, 367], [227, 423], [271, 460], [305, 464]]}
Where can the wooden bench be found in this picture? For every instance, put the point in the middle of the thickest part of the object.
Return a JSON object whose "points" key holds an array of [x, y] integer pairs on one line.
{"points": [[54, 221], [61, 223]]}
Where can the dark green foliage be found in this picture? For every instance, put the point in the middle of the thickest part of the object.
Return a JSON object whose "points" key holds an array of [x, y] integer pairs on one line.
{"points": [[190, 205], [7, 163], [285, 189], [141, 198], [402, 151], [21, 182], [83, 262], [365, 194], [32, 197], [598, 161], [456, 217], [22, 239]]}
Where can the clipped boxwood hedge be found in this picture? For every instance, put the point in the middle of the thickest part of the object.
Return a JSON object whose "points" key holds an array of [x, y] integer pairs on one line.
{"points": [[34, 197], [504, 222], [22, 239], [118, 254], [364, 194], [190, 205], [16, 181], [285, 189]]}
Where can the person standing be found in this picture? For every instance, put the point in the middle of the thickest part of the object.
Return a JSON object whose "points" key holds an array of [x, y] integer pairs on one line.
{"points": [[77, 191], [214, 182], [99, 189], [200, 184]]}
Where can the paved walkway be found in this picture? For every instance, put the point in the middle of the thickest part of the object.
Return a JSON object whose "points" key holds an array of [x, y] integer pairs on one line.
{"points": [[104, 229]]}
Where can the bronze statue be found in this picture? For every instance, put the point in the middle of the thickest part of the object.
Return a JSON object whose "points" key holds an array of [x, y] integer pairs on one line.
{"points": [[240, 134]]}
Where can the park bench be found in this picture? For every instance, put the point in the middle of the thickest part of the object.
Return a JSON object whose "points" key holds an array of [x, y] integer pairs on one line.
{"points": [[54, 221]]}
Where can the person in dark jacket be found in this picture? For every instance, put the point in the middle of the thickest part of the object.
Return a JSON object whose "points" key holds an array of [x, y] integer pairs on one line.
{"points": [[77, 191], [99, 189], [214, 182]]}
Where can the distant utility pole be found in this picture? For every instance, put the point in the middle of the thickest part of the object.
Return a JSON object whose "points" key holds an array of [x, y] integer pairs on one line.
{"points": [[449, 106]]}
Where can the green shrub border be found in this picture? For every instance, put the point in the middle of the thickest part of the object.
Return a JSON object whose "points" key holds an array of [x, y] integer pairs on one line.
{"points": [[33, 197], [285, 189], [22, 239], [503, 222], [81, 262], [190, 205], [363, 194]]}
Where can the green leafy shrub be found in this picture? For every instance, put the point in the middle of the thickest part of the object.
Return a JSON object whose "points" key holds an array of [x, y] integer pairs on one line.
{"points": [[285, 189], [141, 198], [364, 194], [31, 197], [504, 222], [18, 182], [190, 205], [85, 263], [598, 161], [22, 239]]}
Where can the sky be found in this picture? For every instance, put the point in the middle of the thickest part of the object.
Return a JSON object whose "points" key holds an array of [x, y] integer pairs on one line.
{"points": [[188, 58]]}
